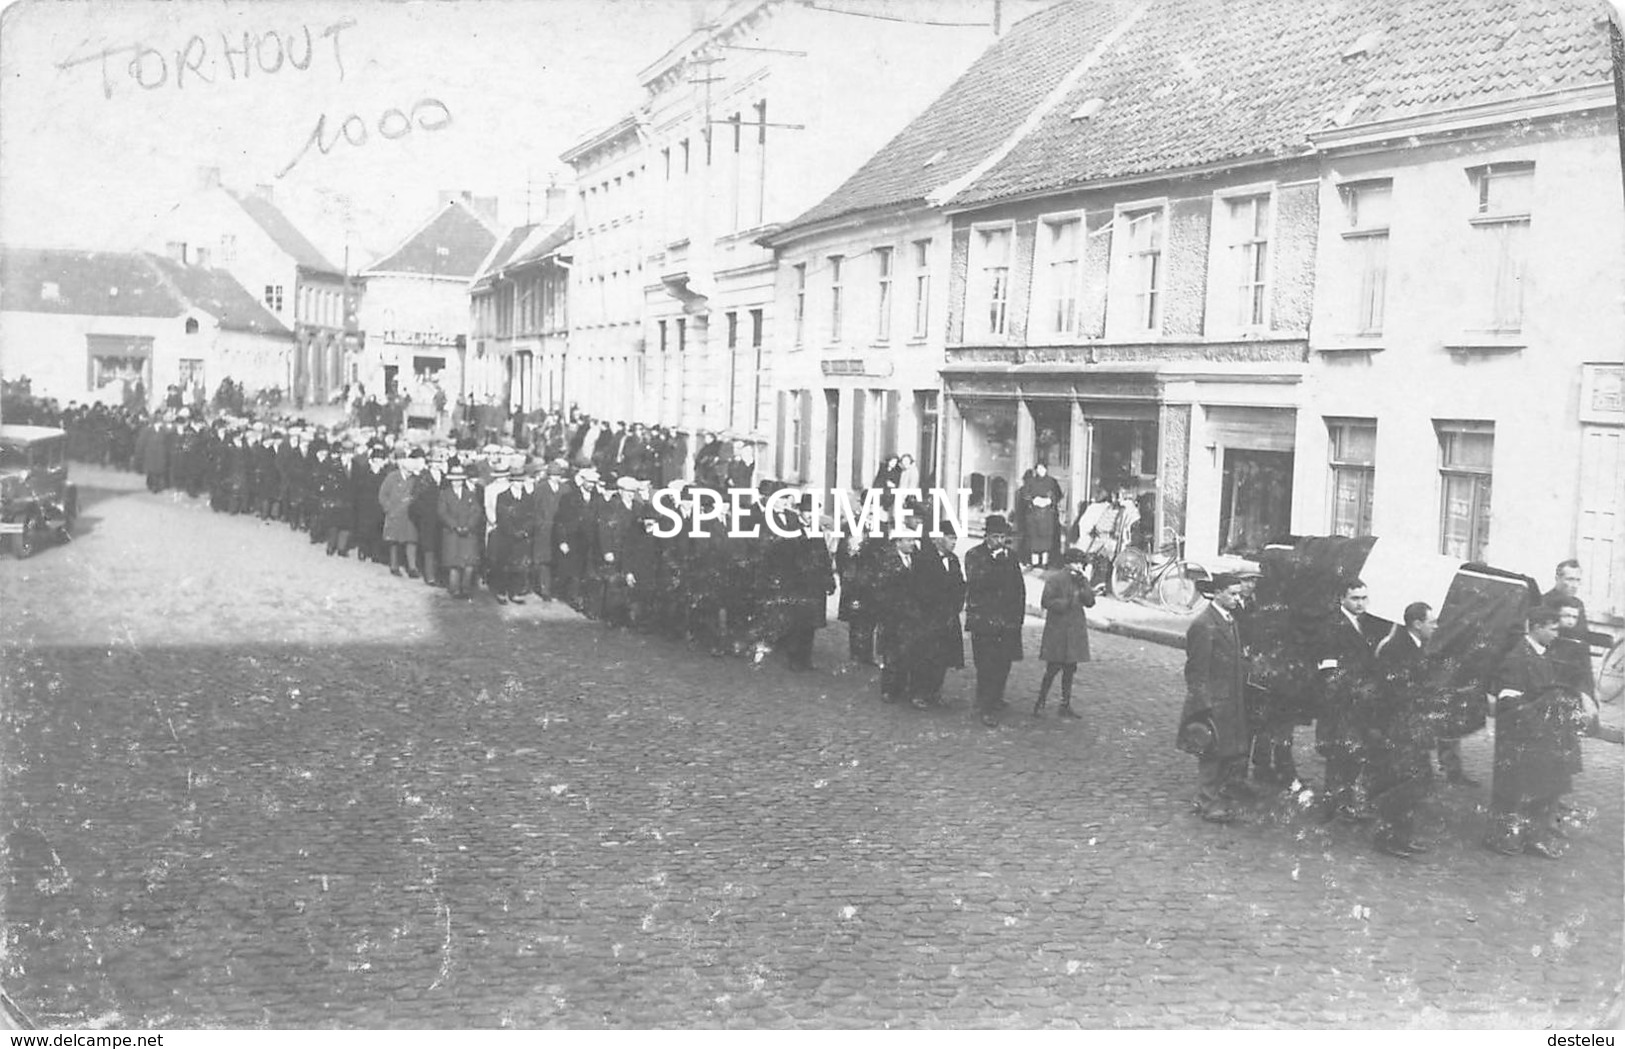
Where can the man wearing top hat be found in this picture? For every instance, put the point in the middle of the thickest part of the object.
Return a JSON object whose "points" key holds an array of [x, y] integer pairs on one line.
{"points": [[1213, 723], [995, 610]]}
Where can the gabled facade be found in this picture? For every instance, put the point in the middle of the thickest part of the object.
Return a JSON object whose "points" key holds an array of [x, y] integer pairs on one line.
{"points": [[415, 307], [248, 236], [1467, 357], [1151, 286], [520, 324], [92, 325]]}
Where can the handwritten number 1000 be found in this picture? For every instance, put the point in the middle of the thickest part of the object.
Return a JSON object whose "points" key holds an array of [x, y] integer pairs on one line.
{"points": [[429, 114]]}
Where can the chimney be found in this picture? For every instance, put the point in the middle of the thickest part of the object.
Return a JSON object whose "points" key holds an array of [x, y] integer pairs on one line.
{"points": [[557, 203], [208, 178]]}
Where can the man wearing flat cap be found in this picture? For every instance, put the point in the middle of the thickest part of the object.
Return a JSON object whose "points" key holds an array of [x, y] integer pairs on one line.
{"points": [[1213, 724]]}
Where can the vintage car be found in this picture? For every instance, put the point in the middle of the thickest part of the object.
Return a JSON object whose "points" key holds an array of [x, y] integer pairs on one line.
{"points": [[37, 502]]}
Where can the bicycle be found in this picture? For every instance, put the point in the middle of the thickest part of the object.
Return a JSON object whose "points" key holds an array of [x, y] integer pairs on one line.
{"points": [[1171, 581], [1611, 675]]}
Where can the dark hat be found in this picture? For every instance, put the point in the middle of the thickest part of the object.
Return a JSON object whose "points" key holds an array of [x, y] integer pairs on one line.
{"points": [[1224, 580], [1197, 737], [1074, 556], [996, 524], [946, 528]]}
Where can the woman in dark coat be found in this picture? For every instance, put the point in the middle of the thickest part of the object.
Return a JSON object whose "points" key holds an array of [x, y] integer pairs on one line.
{"points": [[462, 523], [1065, 643], [1040, 501]]}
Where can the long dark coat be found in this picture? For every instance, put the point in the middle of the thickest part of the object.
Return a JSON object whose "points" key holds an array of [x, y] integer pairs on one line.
{"points": [[510, 532], [1396, 730], [369, 512], [424, 511], [995, 604], [894, 602], [1347, 659], [939, 594], [544, 509], [572, 526], [795, 581], [1066, 628], [1215, 681], [462, 520], [334, 499], [1040, 524], [1537, 738]]}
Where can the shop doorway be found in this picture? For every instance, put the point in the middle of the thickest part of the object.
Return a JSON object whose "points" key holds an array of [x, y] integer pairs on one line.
{"points": [[1255, 506]]}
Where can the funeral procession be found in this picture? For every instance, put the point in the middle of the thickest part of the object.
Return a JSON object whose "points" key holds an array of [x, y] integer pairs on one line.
{"points": [[860, 514]]}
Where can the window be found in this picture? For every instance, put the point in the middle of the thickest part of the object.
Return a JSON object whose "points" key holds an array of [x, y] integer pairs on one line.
{"points": [[228, 248], [202, 257], [1247, 225], [1466, 461], [992, 269], [273, 298], [50, 291], [191, 374], [883, 257], [835, 262], [801, 301], [1366, 207], [1142, 258], [922, 288], [1352, 454], [1062, 251], [1501, 228], [191, 326], [176, 250]]}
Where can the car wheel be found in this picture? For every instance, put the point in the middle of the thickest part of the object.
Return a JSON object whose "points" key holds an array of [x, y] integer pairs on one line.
{"points": [[24, 543]]}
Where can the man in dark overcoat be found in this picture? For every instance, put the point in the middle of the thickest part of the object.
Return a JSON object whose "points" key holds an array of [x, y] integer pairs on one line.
{"points": [[1347, 663], [1536, 744], [995, 609], [939, 641], [898, 617], [462, 523], [796, 578], [572, 538], [612, 531], [544, 509], [1398, 750], [1215, 681]]}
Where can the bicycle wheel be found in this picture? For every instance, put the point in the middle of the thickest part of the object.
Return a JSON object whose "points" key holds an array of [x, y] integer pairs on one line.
{"points": [[1131, 574], [1611, 675], [1176, 587]]}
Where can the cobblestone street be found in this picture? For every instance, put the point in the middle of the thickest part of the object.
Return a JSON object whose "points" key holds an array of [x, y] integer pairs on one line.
{"points": [[245, 784]]}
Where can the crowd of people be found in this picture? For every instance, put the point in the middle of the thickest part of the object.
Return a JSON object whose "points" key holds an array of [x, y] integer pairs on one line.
{"points": [[1375, 702], [561, 511]]}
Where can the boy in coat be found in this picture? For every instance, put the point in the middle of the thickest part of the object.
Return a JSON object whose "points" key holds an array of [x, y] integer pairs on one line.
{"points": [[1065, 643]]}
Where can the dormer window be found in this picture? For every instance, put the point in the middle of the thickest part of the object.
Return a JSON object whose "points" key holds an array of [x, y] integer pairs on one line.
{"points": [[50, 291], [191, 325]]}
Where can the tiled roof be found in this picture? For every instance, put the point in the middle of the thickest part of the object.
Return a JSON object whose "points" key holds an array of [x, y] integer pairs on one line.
{"points": [[452, 243], [975, 115], [126, 284], [280, 229], [90, 283], [217, 293], [550, 242], [499, 255], [1198, 82]]}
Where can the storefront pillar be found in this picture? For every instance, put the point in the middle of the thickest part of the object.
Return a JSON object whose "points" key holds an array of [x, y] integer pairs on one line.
{"points": [[1174, 442]]}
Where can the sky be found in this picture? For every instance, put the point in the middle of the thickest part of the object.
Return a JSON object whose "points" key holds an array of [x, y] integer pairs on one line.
{"points": [[109, 109]]}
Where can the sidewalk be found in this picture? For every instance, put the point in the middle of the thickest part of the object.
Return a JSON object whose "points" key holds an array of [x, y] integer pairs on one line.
{"points": [[1127, 618]]}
